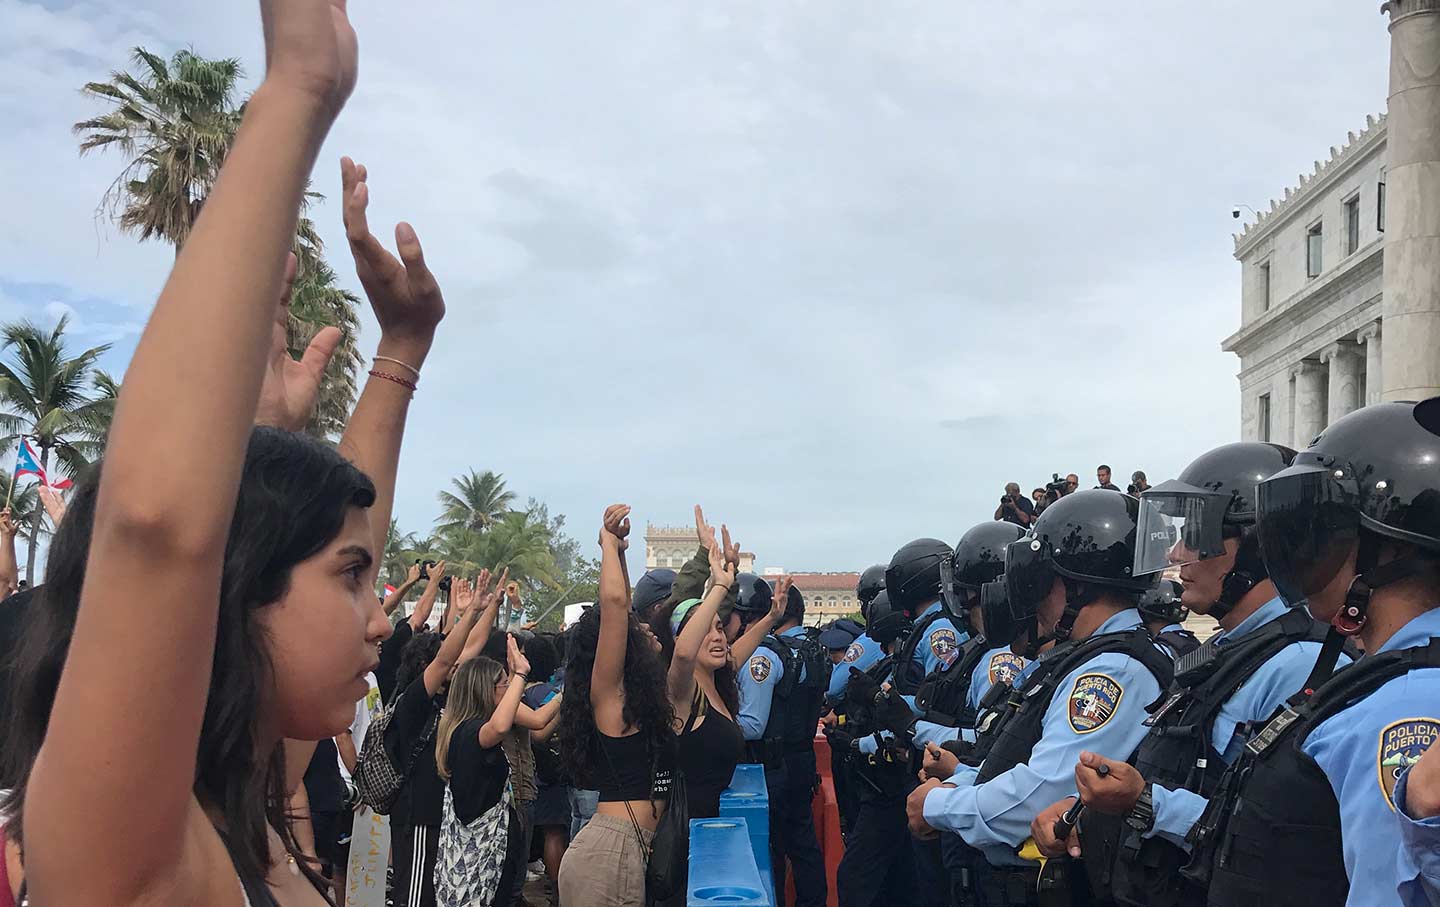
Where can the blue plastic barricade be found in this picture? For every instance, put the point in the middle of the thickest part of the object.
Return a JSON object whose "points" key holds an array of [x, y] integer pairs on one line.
{"points": [[722, 865]]}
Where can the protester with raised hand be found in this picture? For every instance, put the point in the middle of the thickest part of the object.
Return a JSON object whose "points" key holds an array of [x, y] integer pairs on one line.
{"points": [[411, 580], [616, 735], [480, 833], [392, 650], [9, 565], [195, 737]]}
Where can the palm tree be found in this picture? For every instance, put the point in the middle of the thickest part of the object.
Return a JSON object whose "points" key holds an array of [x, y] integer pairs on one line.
{"points": [[513, 540], [46, 396], [401, 550], [482, 500], [318, 301], [175, 121]]}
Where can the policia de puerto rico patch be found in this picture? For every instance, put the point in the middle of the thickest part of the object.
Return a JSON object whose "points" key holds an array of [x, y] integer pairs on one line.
{"points": [[1092, 702], [759, 668], [1401, 745], [1005, 667]]}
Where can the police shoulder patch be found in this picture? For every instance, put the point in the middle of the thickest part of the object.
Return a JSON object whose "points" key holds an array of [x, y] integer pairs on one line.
{"points": [[943, 645], [853, 653], [1092, 702], [1005, 667], [1401, 744], [759, 668]]}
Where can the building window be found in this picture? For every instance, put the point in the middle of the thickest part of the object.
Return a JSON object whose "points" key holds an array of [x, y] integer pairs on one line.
{"points": [[1380, 204], [1265, 287], [1262, 417], [1352, 225], [1314, 240]]}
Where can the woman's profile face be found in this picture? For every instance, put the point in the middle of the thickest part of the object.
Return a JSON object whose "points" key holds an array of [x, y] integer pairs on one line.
{"points": [[715, 649], [324, 635]]}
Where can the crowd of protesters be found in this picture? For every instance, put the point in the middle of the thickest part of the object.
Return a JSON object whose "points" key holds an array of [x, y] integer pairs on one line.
{"points": [[206, 688]]}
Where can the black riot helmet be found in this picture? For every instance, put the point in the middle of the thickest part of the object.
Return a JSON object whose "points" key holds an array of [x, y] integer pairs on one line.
{"points": [[753, 597], [1001, 627], [1162, 602], [1371, 477], [872, 583], [1189, 518], [913, 577], [979, 559], [1087, 540], [794, 605], [879, 607]]}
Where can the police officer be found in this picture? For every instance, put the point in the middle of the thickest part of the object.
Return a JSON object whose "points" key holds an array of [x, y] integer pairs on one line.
{"points": [[1352, 528], [878, 866], [872, 583], [1070, 583], [913, 583], [781, 692], [860, 655], [1164, 613], [1136, 819]]}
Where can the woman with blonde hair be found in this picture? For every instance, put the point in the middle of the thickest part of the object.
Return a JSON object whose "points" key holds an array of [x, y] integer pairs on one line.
{"points": [[480, 825]]}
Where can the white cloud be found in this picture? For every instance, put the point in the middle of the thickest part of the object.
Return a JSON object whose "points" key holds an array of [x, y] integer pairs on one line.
{"points": [[837, 271]]}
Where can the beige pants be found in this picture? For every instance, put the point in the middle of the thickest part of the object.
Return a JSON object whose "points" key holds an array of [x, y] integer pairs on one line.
{"points": [[604, 866]]}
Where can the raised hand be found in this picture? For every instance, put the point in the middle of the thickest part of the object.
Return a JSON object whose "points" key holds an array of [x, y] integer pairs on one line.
{"points": [[617, 526], [463, 594], [732, 550], [780, 599], [8, 528], [412, 576], [289, 390], [403, 293], [310, 46], [704, 530], [518, 662], [437, 573]]}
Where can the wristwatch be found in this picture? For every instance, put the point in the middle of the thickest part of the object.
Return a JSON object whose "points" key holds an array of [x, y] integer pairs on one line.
{"points": [[1141, 817]]}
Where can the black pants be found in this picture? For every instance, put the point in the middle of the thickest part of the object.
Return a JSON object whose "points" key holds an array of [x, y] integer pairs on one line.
{"points": [[415, 849], [932, 880], [792, 829], [879, 864], [520, 854], [845, 793], [967, 868]]}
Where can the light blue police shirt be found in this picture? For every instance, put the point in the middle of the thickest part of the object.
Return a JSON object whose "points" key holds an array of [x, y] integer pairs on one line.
{"points": [[1420, 857], [997, 665], [1099, 706], [1363, 751], [862, 654], [758, 680], [1246, 711]]}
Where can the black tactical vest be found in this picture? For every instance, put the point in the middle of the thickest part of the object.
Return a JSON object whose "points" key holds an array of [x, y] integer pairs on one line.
{"points": [[944, 696], [908, 672], [1271, 833], [1178, 753], [1019, 734], [1180, 642], [797, 705], [880, 777]]}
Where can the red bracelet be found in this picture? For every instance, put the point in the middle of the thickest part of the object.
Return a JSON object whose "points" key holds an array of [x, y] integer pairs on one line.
{"points": [[398, 379]]}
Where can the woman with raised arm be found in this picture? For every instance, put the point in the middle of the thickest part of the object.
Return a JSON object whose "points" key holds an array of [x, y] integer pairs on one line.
{"points": [[256, 561], [616, 735]]}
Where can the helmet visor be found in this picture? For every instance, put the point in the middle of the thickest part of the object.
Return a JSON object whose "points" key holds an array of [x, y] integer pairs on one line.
{"points": [[1001, 628], [1028, 576], [1308, 521], [1179, 524]]}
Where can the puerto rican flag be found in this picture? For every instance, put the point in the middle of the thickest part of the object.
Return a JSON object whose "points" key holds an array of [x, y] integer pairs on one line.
{"points": [[26, 464]]}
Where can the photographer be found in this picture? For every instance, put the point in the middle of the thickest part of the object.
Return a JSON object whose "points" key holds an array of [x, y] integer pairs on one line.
{"points": [[1015, 507], [1138, 484], [1102, 475]]}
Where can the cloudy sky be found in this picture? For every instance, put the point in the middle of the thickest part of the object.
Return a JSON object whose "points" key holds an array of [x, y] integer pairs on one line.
{"points": [[837, 270]]}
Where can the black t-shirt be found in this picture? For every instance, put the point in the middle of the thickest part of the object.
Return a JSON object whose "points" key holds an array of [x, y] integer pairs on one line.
{"points": [[14, 612], [422, 798], [323, 784], [390, 652], [1022, 503], [1108, 486], [477, 774]]}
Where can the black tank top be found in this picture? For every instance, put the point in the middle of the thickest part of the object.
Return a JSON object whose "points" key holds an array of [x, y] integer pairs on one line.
{"points": [[708, 756], [631, 770]]}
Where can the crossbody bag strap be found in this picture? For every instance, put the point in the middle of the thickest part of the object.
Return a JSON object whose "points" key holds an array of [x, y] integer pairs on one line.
{"points": [[634, 822]]}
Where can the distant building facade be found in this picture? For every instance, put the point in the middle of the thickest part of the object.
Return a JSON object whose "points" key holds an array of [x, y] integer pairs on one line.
{"points": [[1310, 313], [672, 546], [827, 595]]}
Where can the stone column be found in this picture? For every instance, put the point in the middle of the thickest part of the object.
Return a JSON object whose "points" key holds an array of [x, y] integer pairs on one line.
{"points": [[1370, 336], [1411, 365], [1309, 417], [1344, 379]]}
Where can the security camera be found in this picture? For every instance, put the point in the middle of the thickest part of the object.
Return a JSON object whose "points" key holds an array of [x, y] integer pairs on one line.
{"points": [[1235, 213]]}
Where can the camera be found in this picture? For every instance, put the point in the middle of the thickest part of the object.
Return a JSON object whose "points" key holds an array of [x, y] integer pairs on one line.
{"points": [[445, 584], [1235, 213], [424, 568], [1056, 488], [1006, 500]]}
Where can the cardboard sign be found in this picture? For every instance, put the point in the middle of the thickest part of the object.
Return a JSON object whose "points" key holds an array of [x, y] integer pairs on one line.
{"points": [[369, 858]]}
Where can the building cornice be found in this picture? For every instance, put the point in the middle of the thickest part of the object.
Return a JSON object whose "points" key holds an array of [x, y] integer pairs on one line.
{"points": [[1325, 174], [1313, 342], [1403, 9], [1368, 260]]}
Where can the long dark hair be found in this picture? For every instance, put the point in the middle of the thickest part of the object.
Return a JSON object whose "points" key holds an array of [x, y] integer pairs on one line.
{"points": [[294, 496], [725, 683], [646, 707]]}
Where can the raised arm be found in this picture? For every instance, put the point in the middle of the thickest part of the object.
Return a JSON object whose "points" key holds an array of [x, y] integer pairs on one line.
{"points": [[488, 604], [9, 566], [746, 645], [607, 675], [408, 305], [702, 620], [189, 397], [537, 719], [444, 662], [492, 731], [393, 600], [426, 604]]}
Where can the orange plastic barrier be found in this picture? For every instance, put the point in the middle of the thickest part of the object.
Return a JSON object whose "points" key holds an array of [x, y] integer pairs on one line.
{"points": [[827, 825]]}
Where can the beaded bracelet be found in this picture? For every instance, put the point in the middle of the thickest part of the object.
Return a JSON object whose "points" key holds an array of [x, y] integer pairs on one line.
{"points": [[398, 379]]}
